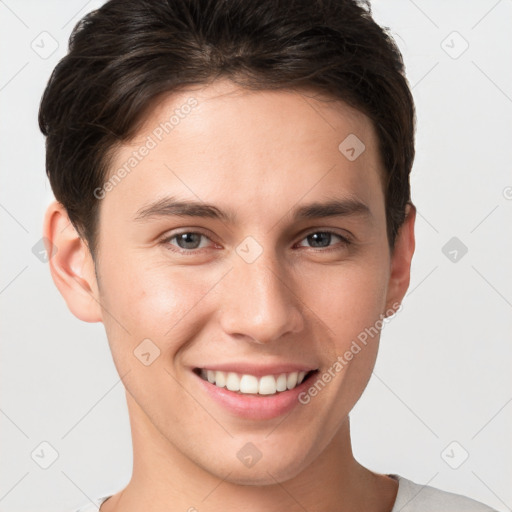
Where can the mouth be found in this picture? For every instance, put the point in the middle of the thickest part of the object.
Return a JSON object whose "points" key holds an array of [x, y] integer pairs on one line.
{"points": [[247, 384]]}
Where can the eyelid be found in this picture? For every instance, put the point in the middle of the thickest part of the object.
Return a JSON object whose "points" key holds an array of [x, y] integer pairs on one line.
{"points": [[170, 236], [346, 239], [347, 236]]}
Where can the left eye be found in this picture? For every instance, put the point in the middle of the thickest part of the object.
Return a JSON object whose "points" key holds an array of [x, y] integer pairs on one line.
{"points": [[323, 238]]}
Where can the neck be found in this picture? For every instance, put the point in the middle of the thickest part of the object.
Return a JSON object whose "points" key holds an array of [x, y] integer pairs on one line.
{"points": [[164, 479]]}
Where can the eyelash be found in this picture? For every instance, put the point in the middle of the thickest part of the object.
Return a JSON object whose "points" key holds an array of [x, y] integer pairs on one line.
{"points": [[166, 241]]}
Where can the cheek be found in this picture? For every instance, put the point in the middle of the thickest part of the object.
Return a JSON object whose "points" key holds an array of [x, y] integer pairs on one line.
{"points": [[348, 298], [152, 302]]}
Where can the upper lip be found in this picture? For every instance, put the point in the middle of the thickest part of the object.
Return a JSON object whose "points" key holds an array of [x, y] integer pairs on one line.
{"points": [[258, 370]]}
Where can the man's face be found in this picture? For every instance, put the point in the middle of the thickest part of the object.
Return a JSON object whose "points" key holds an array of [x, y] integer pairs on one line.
{"points": [[262, 292]]}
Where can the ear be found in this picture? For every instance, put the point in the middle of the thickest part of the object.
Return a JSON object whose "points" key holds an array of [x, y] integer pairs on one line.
{"points": [[71, 264], [400, 271]]}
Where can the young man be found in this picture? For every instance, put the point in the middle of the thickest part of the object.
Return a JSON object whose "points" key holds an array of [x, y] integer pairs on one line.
{"points": [[233, 203]]}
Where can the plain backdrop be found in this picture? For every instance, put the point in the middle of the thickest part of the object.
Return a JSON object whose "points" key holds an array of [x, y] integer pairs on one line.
{"points": [[437, 409]]}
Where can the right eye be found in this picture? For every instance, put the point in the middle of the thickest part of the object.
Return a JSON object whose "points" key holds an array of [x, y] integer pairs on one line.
{"points": [[186, 241]]}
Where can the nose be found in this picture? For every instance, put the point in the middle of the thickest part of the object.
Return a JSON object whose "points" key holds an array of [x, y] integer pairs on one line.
{"points": [[258, 301]]}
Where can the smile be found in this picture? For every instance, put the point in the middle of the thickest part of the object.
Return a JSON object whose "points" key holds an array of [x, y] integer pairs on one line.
{"points": [[250, 384]]}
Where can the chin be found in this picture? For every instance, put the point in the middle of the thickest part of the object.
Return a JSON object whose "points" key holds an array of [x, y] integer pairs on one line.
{"points": [[264, 475], [278, 468]]}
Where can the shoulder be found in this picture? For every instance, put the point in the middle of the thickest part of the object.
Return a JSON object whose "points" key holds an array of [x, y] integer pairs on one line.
{"points": [[413, 497], [93, 506]]}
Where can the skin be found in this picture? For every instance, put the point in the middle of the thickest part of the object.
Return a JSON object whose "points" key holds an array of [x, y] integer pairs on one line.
{"points": [[260, 155]]}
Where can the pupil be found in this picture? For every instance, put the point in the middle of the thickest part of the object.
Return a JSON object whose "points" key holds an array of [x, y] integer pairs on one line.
{"points": [[188, 238], [315, 237]]}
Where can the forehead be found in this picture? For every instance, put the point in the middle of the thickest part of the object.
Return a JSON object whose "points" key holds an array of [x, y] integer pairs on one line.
{"points": [[260, 146], [226, 112]]}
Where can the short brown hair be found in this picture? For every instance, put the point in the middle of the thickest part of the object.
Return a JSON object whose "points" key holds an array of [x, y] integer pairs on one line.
{"points": [[127, 53]]}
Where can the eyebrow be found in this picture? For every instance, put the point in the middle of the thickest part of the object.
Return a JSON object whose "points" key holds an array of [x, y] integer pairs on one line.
{"points": [[171, 206]]}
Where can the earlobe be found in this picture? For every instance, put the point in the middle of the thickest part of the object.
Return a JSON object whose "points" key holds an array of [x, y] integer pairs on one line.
{"points": [[71, 265], [401, 257]]}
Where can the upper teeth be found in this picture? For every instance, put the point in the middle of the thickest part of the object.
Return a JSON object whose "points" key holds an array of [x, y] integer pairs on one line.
{"points": [[266, 385]]}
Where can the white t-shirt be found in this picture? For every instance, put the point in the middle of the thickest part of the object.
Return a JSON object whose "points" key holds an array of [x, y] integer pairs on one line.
{"points": [[411, 497]]}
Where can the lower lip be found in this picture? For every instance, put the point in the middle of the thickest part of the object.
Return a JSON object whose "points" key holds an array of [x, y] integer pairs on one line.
{"points": [[255, 407]]}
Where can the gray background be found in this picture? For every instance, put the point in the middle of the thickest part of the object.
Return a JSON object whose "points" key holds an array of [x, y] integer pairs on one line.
{"points": [[441, 389]]}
